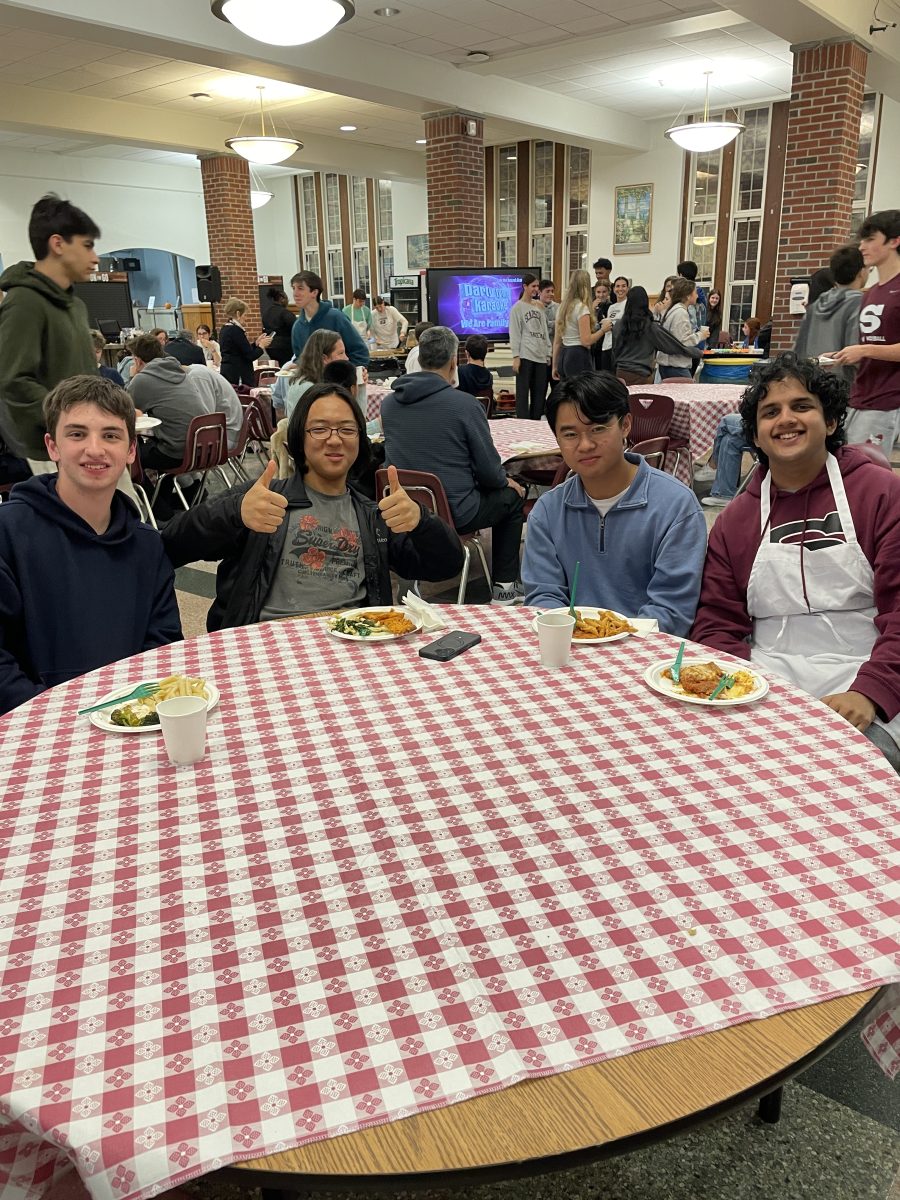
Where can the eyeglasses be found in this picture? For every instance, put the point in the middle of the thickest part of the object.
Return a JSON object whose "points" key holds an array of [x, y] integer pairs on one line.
{"points": [[571, 437], [321, 433]]}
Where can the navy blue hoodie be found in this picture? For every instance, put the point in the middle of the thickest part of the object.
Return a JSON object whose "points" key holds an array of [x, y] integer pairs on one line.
{"points": [[71, 599]]}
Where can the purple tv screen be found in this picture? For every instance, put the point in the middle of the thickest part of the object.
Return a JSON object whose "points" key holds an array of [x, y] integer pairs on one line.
{"points": [[474, 301]]}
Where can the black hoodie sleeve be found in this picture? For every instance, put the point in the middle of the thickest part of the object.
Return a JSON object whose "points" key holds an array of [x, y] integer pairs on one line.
{"points": [[431, 551], [15, 685], [210, 532]]}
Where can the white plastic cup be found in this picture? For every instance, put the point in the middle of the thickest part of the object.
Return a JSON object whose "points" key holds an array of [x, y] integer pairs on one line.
{"points": [[555, 638], [183, 721]]}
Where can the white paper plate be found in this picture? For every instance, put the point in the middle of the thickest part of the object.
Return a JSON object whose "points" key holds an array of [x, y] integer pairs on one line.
{"points": [[591, 613], [653, 677], [375, 637], [102, 721], [825, 361], [145, 424]]}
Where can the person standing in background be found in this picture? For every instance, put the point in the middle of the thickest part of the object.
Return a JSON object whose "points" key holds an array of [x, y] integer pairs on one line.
{"points": [[614, 314], [546, 292], [45, 334], [238, 352], [576, 329], [714, 317], [360, 314], [530, 344], [388, 324], [602, 270], [278, 321]]}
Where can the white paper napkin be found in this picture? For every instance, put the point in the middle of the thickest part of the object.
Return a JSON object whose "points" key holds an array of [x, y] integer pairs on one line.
{"points": [[430, 616]]}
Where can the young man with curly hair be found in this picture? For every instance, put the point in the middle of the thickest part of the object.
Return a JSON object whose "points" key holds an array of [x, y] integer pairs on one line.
{"points": [[802, 574]]}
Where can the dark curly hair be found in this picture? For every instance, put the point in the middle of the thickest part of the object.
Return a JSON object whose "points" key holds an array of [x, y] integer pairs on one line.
{"points": [[832, 392]]}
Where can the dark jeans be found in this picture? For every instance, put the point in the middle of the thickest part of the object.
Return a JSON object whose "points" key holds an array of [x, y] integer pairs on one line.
{"points": [[672, 372], [531, 378], [574, 360], [502, 511]]}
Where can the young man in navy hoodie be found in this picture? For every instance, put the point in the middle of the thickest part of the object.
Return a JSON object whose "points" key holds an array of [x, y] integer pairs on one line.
{"points": [[82, 582]]}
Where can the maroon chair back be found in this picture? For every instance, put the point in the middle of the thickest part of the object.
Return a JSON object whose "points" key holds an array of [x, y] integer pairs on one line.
{"points": [[657, 448], [651, 416], [486, 396], [246, 429], [206, 445], [422, 486], [875, 453]]}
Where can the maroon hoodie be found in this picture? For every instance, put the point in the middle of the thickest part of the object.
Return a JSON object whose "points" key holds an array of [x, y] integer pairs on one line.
{"points": [[810, 517]]}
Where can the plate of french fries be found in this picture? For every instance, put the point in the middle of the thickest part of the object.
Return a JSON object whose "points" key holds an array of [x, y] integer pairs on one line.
{"points": [[596, 625], [140, 716]]}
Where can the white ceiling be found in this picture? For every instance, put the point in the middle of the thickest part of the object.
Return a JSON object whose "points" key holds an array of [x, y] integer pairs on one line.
{"points": [[646, 60]]}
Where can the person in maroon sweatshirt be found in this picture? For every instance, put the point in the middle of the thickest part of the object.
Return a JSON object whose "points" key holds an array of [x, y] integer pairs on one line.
{"points": [[802, 572]]}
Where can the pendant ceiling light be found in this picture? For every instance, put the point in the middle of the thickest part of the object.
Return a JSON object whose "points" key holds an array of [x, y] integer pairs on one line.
{"points": [[264, 148], [258, 194], [284, 22], [700, 136]]}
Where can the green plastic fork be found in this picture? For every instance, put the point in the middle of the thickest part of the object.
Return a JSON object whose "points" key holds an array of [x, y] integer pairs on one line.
{"points": [[141, 692], [724, 683], [676, 665]]}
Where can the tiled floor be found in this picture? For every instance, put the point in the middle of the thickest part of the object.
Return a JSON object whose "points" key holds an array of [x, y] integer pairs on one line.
{"points": [[838, 1139]]}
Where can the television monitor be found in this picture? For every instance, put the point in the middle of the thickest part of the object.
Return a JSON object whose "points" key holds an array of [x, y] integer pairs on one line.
{"points": [[474, 300]]}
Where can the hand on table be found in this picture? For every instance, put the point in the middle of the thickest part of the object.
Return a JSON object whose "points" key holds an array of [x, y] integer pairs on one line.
{"points": [[262, 510], [854, 707], [401, 514]]}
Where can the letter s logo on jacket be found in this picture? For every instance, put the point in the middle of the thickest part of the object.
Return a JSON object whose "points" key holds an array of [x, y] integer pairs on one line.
{"points": [[870, 318]]}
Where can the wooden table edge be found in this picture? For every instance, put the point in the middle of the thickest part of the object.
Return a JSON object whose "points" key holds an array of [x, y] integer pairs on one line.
{"points": [[595, 1092]]}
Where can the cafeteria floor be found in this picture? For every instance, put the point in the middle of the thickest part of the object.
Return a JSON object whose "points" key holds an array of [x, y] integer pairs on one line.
{"points": [[838, 1138]]}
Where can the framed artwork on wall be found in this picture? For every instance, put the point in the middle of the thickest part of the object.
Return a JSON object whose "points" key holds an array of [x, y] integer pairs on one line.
{"points": [[416, 251], [633, 217]]}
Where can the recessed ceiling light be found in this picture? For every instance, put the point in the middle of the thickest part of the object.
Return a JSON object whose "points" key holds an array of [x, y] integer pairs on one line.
{"points": [[201, 97], [477, 56], [387, 12], [421, 141], [348, 129]]}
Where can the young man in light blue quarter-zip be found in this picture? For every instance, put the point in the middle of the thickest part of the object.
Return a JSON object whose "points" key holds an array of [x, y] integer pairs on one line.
{"points": [[639, 534]]}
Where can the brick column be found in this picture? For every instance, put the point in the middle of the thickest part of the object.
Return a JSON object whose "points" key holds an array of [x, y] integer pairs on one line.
{"points": [[454, 161], [820, 167], [229, 226]]}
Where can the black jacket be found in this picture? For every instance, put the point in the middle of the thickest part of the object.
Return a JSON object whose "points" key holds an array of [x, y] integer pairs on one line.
{"points": [[238, 355], [279, 320], [214, 531], [185, 352]]}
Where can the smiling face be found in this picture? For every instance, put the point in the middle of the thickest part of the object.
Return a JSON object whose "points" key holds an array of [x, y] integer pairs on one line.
{"points": [[601, 293], [303, 294], [546, 295], [620, 287], [338, 353], [530, 290], [328, 461], [593, 451], [791, 430], [91, 450]]}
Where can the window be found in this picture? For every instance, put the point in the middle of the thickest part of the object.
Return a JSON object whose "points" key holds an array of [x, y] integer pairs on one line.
{"points": [[542, 254], [507, 194], [334, 256], [335, 275], [868, 121], [751, 172], [542, 188], [385, 221], [706, 170], [746, 224], [576, 252], [308, 208], [311, 262], [359, 233], [579, 180], [744, 264]]}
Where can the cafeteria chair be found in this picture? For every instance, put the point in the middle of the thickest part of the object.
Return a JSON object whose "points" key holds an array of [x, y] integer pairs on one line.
{"points": [[205, 449], [656, 448], [651, 417], [429, 491], [560, 475], [486, 396], [137, 482]]}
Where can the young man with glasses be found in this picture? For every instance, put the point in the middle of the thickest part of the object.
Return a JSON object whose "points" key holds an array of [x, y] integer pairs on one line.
{"points": [[311, 542], [639, 534]]}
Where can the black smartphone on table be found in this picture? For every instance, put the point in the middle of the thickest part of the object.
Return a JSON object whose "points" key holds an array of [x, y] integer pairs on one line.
{"points": [[449, 646]]}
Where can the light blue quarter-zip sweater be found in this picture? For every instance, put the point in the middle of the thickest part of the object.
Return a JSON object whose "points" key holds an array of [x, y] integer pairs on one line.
{"points": [[643, 559]]}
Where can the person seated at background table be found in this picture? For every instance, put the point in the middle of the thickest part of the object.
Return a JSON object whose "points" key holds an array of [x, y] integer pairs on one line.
{"points": [[125, 365], [160, 387], [430, 426], [750, 329], [312, 542], [412, 359], [161, 335], [181, 346], [636, 339], [238, 352], [209, 347], [639, 534], [474, 377], [802, 574], [388, 324], [316, 313], [99, 343], [219, 396], [82, 581], [324, 346], [677, 321]]}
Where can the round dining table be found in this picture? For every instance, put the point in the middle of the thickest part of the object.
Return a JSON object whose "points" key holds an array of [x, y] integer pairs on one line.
{"points": [[699, 408], [409, 916]]}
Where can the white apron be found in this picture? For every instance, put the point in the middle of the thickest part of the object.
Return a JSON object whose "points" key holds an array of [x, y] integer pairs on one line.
{"points": [[819, 648]]}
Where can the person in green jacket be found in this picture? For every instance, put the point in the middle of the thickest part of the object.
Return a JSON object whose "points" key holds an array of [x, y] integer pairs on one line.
{"points": [[45, 333], [361, 315]]}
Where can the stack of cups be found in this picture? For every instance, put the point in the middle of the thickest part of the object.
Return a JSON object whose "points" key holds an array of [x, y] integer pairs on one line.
{"points": [[555, 638]]}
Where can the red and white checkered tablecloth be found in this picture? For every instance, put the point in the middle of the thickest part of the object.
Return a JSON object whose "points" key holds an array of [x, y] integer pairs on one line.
{"points": [[511, 435], [379, 893], [374, 396], [699, 407]]}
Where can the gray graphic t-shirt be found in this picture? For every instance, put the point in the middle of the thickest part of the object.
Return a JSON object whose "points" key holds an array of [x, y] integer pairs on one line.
{"points": [[321, 563]]}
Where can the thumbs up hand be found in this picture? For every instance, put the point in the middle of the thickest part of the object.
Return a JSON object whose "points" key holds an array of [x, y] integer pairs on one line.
{"points": [[262, 510], [401, 514]]}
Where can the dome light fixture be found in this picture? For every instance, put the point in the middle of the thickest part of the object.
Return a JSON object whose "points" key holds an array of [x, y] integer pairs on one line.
{"points": [[263, 148], [259, 195], [702, 136], [284, 22]]}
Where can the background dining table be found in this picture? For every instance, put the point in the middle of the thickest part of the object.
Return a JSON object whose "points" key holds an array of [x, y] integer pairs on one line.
{"points": [[699, 407], [378, 894]]}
